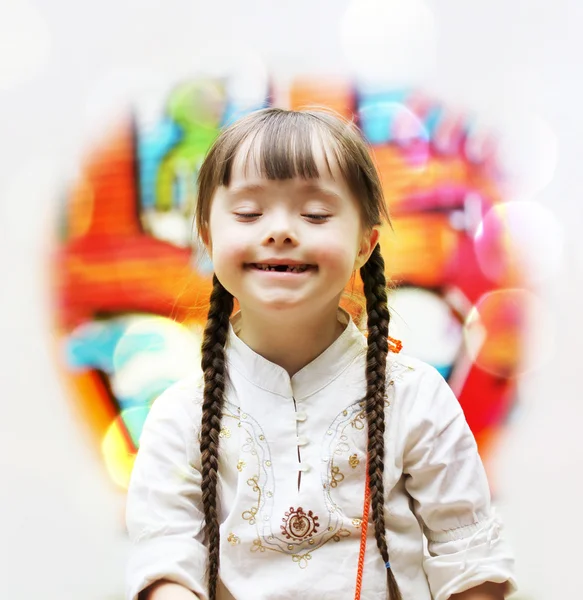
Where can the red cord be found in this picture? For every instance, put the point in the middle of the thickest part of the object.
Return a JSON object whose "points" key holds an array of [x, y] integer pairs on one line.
{"points": [[396, 347], [363, 532]]}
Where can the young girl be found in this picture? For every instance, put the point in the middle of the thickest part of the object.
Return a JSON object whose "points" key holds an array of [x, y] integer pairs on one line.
{"points": [[307, 460]]}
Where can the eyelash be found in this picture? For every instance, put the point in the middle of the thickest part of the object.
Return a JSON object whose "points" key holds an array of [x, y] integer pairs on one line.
{"points": [[319, 218], [247, 215]]}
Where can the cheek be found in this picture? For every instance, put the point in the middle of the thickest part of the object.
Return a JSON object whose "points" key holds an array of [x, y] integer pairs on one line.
{"points": [[338, 248], [228, 250], [227, 242], [337, 254]]}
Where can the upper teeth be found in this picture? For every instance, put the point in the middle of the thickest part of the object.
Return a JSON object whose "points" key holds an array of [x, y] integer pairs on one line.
{"points": [[292, 268]]}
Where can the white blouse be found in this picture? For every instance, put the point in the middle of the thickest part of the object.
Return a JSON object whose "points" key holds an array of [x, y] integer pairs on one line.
{"points": [[291, 484]]}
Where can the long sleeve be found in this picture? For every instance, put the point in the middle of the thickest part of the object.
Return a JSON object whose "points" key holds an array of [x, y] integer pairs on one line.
{"points": [[163, 510], [446, 479]]}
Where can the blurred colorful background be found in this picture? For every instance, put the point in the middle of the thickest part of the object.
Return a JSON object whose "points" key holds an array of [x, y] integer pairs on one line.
{"points": [[471, 120], [132, 283]]}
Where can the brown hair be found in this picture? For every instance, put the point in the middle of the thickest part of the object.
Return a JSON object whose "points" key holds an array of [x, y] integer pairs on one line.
{"points": [[286, 151]]}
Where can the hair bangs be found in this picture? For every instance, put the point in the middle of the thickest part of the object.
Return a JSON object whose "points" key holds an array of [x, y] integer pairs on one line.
{"points": [[285, 148]]}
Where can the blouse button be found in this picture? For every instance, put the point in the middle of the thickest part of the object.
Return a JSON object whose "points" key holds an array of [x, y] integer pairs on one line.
{"points": [[302, 440], [301, 416]]}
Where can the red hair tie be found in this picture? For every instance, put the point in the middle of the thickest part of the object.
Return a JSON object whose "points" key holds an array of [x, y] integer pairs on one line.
{"points": [[395, 345]]}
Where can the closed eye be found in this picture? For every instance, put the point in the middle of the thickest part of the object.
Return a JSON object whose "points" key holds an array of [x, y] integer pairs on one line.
{"points": [[247, 216], [318, 218]]}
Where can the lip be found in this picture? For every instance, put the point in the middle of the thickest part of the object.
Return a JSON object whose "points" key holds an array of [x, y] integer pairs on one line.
{"points": [[279, 261]]}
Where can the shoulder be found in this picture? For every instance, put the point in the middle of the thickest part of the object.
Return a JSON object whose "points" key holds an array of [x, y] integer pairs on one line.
{"points": [[416, 386], [180, 404], [409, 370]]}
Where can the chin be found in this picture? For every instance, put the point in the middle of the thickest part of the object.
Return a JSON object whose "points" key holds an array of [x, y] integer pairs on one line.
{"points": [[276, 304]]}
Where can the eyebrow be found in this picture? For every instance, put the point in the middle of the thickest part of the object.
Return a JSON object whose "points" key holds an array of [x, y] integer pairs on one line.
{"points": [[308, 188]]}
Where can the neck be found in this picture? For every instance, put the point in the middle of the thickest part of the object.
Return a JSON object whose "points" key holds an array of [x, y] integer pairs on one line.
{"points": [[287, 340]]}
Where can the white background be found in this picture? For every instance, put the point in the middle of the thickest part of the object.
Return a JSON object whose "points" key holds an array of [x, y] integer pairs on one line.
{"points": [[65, 65]]}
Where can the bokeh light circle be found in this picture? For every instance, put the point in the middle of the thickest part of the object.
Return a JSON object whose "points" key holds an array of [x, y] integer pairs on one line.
{"points": [[528, 148], [509, 332], [389, 41], [519, 240], [427, 326]]}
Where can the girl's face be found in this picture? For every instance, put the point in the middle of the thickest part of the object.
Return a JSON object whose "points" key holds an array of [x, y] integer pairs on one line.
{"points": [[286, 244]]}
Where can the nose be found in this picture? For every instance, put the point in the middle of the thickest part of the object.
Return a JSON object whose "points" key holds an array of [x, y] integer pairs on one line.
{"points": [[280, 231]]}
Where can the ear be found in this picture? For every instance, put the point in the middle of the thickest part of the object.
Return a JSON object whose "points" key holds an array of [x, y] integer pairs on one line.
{"points": [[367, 244]]}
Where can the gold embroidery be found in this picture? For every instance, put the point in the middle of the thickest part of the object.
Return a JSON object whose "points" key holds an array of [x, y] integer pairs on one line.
{"points": [[241, 465], [358, 421], [337, 477], [299, 525], [233, 539], [354, 461], [249, 515], [342, 533], [302, 559], [225, 433], [342, 448], [356, 523], [257, 545], [252, 481]]}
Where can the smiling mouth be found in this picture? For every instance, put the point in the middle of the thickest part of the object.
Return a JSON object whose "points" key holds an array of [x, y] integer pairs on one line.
{"points": [[281, 268]]}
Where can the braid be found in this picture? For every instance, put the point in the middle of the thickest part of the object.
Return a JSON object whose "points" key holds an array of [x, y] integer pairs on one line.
{"points": [[214, 368], [375, 291]]}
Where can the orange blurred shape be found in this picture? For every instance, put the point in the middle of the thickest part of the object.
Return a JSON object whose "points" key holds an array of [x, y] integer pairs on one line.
{"points": [[97, 404], [334, 93], [403, 184], [109, 263], [495, 330], [420, 249]]}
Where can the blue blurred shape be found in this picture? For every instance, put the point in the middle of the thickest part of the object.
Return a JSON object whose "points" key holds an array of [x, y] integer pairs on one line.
{"points": [[235, 111], [149, 391], [376, 113], [134, 419], [153, 145], [92, 345]]}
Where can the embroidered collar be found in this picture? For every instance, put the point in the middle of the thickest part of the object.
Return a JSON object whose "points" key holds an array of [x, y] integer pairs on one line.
{"points": [[313, 377]]}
